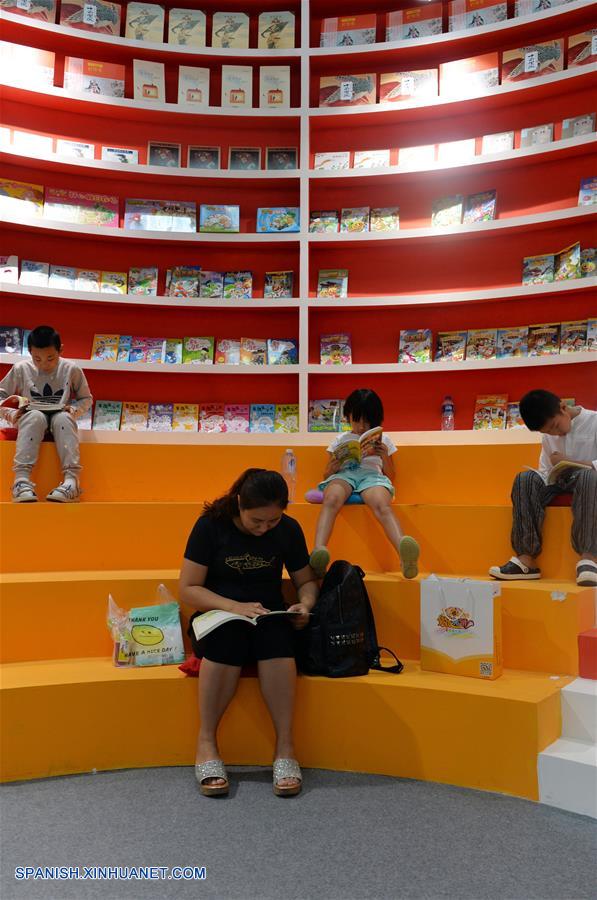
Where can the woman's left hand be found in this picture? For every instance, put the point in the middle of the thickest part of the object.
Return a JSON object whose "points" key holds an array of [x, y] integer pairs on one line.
{"points": [[302, 619]]}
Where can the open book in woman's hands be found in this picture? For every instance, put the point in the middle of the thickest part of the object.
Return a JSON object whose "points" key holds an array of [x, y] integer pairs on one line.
{"points": [[351, 449], [213, 618]]}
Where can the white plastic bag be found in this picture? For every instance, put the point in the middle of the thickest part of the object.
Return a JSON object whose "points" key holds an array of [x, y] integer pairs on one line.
{"points": [[147, 635]]}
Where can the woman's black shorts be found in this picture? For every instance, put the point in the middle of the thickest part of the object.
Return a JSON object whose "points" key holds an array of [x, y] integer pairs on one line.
{"points": [[238, 643]]}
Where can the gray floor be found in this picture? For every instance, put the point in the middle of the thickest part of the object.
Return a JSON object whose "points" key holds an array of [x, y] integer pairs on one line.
{"points": [[346, 837]]}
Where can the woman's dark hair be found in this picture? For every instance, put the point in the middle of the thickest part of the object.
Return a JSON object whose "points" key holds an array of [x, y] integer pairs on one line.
{"points": [[254, 488], [364, 404], [42, 337]]}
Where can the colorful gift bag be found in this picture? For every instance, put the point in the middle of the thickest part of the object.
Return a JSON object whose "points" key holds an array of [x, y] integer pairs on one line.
{"points": [[461, 627]]}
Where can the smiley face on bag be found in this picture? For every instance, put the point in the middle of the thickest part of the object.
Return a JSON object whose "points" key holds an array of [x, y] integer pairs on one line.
{"points": [[147, 635]]}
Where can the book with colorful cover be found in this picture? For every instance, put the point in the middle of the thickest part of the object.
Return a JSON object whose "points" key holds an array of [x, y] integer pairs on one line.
{"points": [[79, 208], [371, 159], [88, 280], [567, 263], [532, 7], [237, 87], [587, 195], [124, 156], [278, 285], [63, 277], [536, 135], [211, 285], [20, 198], [578, 125], [106, 415], [281, 159], [447, 212], [184, 281], [22, 66], [90, 76], [538, 269], [500, 142], [9, 269], [347, 90], [332, 161], [219, 219], [470, 77], [323, 221], [395, 87], [211, 418], [77, 149], [44, 10], [274, 87], [275, 31], [237, 417], [125, 342], [227, 352], [143, 281], [173, 351], [138, 349], [134, 416], [513, 417], [464, 14], [480, 207], [286, 419], [278, 219], [415, 345], [335, 350], [348, 31], [185, 417], [490, 412], [262, 418], [113, 283], [384, 218], [186, 27], [573, 337], [91, 15], [149, 81], [512, 342], [25, 345], [105, 347], [582, 48], [253, 351], [145, 22], [543, 58], [355, 220], [588, 262], [160, 215], [456, 151], [325, 415], [11, 339], [193, 86], [413, 23], [238, 285], [34, 274], [544, 340], [282, 352], [481, 343], [451, 346], [198, 351], [230, 30], [156, 350], [332, 284], [592, 335], [159, 416]]}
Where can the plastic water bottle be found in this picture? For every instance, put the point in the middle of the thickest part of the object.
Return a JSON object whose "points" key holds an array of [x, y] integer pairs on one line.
{"points": [[289, 472], [447, 422]]}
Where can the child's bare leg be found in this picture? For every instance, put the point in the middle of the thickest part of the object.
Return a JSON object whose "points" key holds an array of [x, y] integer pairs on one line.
{"points": [[335, 496], [379, 501]]}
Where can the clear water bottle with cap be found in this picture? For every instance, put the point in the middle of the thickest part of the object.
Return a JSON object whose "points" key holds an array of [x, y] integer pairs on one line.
{"points": [[289, 472], [447, 421]]}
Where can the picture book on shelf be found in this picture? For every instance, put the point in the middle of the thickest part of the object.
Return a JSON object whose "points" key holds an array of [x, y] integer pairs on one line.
{"points": [[113, 283], [323, 221], [186, 27], [106, 415], [88, 280], [145, 22], [371, 159], [237, 417], [278, 219], [501, 142], [470, 77], [173, 351], [347, 31], [262, 418], [573, 337], [447, 212], [587, 195], [123, 155], [11, 339], [90, 15], [203, 157], [281, 159], [253, 351], [155, 350], [238, 285], [332, 160], [537, 134], [512, 342], [531, 7], [415, 345], [544, 340], [137, 349], [286, 419], [578, 125], [160, 215], [149, 81], [416, 22], [592, 335], [416, 157], [63, 277], [588, 262], [481, 343], [211, 418], [479, 207], [347, 90], [456, 151], [23, 66], [278, 285], [193, 86], [230, 30], [332, 284], [513, 417], [20, 198], [244, 158], [237, 87], [463, 14], [143, 281], [219, 219], [134, 416], [384, 218], [159, 416], [335, 350], [538, 269], [567, 263], [9, 269], [184, 281], [87, 76], [185, 417], [105, 347], [490, 412], [81, 208], [582, 48], [355, 219], [532, 60], [349, 449], [25, 346], [211, 285], [325, 415], [36, 274], [274, 87], [275, 30], [397, 86], [125, 342], [227, 352], [44, 10], [282, 352], [451, 346], [78, 149], [198, 351]]}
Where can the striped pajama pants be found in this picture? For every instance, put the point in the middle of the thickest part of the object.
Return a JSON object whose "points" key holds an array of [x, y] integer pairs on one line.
{"points": [[530, 496]]}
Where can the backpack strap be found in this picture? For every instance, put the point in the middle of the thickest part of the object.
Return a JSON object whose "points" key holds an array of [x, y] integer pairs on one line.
{"points": [[395, 670]]}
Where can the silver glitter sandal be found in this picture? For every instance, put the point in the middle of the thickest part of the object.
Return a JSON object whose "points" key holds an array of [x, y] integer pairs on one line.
{"points": [[287, 768], [213, 768]]}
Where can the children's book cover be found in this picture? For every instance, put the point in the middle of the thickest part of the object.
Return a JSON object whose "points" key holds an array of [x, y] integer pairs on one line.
{"points": [[134, 416], [282, 352], [573, 337], [578, 125], [44, 10], [186, 27], [275, 31], [500, 142], [582, 48], [335, 350], [281, 159], [237, 417], [245, 159], [253, 351], [211, 285], [156, 350], [347, 90], [25, 345], [413, 23], [173, 351], [237, 87], [323, 221], [274, 87], [185, 417], [481, 343], [203, 157], [149, 81], [143, 281], [470, 77], [464, 14], [532, 7], [211, 418], [447, 212], [81, 208], [544, 340], [385, 218], [278, 285], [230, 30], [592, 335], [125, 342], [278, 219], [355, 220], [348, 31], [534, 59], [219, 219], [512, 342], [325, 415], [395, 87], [105, 347], [513, 417], [332, 284], [332, 161], [371, 159], [286, 420], [588, 262], [160, 215], [415, 345], [91, 15], [113, 283], [23, 66], [451, 346], [63, 277], [106, 415], [456, 151], [184, 281], [145, 22], [125, 156], [88, 280], [567, 263], [9, 269], [535, 135], [35, 274], [20, 198], [89, 76], [490, 412], [227, 352], [11, 339], [238, 285], [77, 149], [587, 195], [262, 418], [416, 157], [138, 349], [198, 351], [159, 416], [480, 207], [193, 86], [538, 269]]}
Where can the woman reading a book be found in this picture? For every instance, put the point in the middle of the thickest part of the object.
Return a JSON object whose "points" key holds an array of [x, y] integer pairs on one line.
{"points": [[233, 563]]}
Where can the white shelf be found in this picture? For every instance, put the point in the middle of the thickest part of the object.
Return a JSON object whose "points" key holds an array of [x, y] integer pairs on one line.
{"points": [[166, 368], [466, 365]]}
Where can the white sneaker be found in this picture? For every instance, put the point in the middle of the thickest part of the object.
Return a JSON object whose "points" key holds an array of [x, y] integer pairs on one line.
{"points": [[23, 491], [67, 492], [586, 573]]}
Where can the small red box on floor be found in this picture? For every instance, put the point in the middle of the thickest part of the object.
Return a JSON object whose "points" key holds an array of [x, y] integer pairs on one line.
{"points": [[587, 654]]}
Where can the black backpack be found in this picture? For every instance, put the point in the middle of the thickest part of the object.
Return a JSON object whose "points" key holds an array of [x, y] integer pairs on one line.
{"points": [[340, 640]]}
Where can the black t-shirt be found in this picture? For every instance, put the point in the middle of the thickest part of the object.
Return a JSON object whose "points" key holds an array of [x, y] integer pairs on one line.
{"points": [[245, 567]]}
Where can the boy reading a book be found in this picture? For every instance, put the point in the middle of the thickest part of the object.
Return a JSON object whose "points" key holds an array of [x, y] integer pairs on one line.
{"points": [[371, 477], [45, 393], [568, 464]]}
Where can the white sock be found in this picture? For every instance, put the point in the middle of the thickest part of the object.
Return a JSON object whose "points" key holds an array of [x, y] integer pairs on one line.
{"points": [[70, 480]]}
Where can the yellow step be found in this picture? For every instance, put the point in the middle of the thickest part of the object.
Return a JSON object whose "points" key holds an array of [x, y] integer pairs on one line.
{"points": [[75, 715]]}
